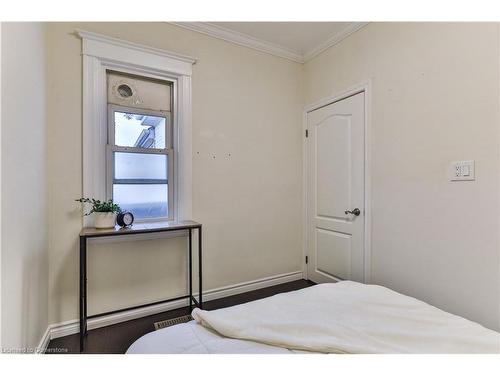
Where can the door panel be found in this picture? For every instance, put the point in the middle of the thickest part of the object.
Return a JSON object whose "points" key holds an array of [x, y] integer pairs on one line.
{"points": [[333, 253], [333, 150], [336, 184]]}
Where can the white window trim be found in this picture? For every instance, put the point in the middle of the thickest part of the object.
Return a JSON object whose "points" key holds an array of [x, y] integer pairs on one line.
{"points": [[101, 53]]}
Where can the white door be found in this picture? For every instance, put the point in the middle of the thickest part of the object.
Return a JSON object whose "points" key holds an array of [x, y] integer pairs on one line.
{"points": [[335, 186]]}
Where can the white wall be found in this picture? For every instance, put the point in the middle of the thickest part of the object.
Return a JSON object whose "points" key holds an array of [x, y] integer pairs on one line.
{"points": [[246, 172], [435, 99], [24, 258]]}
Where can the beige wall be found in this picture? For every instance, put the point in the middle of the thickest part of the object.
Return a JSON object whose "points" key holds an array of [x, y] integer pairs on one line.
{"points": [[435, 99], [24, 200], [432, 239], [246, 113]]}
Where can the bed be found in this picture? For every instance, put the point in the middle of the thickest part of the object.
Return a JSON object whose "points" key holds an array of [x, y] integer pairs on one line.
{"points": [[193, 338], [343, 317]]}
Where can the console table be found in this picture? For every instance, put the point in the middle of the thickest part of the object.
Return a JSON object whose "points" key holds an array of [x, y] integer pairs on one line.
{"points": [[87, 233]]}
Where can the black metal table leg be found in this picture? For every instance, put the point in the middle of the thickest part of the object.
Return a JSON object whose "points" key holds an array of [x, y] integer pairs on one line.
{"points": [[190, 272], [83, 290], [85, 330], [90, 233], [200, 273]]}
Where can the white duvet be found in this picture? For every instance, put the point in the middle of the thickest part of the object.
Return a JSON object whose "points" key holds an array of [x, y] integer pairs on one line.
{"points": [[192, 338], [349, 317]]}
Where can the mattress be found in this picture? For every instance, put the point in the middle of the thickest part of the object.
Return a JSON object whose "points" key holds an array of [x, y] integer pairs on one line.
{"points": [[193, 338], [343, 317]]}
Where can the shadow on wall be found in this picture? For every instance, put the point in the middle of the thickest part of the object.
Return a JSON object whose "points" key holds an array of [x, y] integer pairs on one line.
{"points": [[25, 301], [61, 287], [32, 296]]}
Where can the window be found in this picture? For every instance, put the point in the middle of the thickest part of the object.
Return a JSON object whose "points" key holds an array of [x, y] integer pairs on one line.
{"points": [[139, 150], [116, 72]]}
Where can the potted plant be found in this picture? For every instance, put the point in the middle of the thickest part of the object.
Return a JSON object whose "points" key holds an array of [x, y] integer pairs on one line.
{"points": [[104, 212]]}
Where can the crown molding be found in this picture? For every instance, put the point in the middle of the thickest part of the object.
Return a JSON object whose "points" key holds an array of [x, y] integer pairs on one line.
{"points": [[245, 40], [334, 39], [241, 39], [87, 35]]}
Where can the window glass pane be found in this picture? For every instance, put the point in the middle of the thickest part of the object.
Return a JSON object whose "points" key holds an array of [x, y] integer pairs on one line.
{"points": [[144, 201], [133, 130], [130, 165]]}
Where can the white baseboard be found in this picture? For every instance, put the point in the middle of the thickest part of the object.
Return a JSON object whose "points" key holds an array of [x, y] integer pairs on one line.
{"points": [[251, 285], [72, 326], [44, 342]]}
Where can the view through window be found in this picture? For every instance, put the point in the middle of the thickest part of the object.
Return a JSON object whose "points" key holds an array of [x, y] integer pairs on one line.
{"points": [[139, 152]]}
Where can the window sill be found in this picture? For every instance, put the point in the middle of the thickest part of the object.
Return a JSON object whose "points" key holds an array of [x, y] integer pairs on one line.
{"points": [[153, 220]]}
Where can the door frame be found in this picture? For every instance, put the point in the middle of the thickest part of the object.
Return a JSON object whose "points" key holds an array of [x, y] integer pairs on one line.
{"points": [[363, 87]]}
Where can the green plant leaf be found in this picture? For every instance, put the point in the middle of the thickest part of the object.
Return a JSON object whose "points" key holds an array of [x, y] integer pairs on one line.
{"points": [[98, 206]]}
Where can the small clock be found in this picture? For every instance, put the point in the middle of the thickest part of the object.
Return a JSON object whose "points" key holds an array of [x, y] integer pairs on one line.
{"points": [[125, 219]]}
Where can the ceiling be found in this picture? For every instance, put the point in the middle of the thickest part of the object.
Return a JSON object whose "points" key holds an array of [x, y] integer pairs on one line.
{"points": [[297, 41], [297, 36]]}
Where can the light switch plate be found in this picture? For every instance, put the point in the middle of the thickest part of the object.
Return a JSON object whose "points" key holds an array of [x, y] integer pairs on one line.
{"points": [[462, 171]]}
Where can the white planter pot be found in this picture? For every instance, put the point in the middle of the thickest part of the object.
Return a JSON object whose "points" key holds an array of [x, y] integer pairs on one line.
{"points": [[104, 220]]}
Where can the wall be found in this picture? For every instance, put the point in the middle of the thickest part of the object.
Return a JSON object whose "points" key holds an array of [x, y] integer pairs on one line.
{"points": [[24, 193], [435, 99], [246, 172], [431, 238]]}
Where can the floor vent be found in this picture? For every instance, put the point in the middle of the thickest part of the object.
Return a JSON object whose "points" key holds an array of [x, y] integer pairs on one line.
{"points": [[173, 322]]}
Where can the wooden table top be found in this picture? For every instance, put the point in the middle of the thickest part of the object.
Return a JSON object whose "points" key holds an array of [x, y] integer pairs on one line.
{"points": [[163, 226]]}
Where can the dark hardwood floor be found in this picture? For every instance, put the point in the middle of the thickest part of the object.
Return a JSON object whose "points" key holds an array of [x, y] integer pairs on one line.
{"points": [[116, 339]]}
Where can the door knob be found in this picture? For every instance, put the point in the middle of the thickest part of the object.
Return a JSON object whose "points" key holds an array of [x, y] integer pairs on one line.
{"points": [[355, 212]]}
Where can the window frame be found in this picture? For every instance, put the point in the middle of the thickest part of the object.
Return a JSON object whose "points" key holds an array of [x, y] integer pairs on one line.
{"points": [[101, 53], [169, 151]]}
